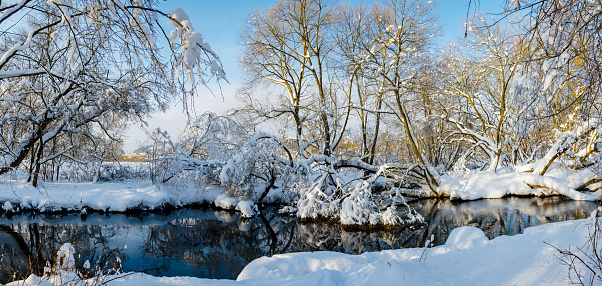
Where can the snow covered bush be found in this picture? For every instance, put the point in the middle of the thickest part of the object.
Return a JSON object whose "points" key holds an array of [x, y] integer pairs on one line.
{"points": [[338, 194], [120, 172], [65, 271], [204, 146], [252, 169], [217, 151], [314, 204]]}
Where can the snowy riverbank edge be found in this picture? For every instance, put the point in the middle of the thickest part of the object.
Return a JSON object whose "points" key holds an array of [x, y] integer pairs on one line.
{"points": [[107, 196], [467, 258], [143, 195]]}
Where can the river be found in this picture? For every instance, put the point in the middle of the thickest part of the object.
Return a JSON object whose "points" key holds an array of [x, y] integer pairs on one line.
{"points": [[216, 244]]}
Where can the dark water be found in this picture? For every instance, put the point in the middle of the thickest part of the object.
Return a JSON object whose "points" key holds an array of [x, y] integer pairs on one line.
{"points": [[215, 244]]}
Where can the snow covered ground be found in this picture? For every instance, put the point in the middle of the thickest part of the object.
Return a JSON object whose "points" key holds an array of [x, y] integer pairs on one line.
{"points": [[490, 185], [467, 258], [119, 196], [110, 196]]}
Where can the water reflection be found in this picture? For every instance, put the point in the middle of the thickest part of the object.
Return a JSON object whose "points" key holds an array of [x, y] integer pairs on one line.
{"points": [[206, 243], [508, 216]]}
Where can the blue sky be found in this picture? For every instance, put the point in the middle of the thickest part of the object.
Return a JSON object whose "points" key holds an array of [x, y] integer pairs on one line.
{"points": [[219, 21]]}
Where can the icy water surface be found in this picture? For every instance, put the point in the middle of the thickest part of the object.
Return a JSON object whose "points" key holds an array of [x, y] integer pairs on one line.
{"points": [[217, 244]]}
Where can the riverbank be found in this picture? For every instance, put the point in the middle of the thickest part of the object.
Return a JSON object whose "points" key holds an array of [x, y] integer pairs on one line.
{"points": [[106, 197], [143, 195], [467, 258]]}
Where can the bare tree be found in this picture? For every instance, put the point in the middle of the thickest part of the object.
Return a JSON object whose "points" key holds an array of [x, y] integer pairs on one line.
{"points": [[290, 46], [396, 58]]}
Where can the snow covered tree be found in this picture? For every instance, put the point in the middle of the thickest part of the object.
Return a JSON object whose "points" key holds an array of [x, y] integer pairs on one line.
{"points": [[565, 36], [74, 68], [331, 63], [290, 46], [527, 101], [490, 95], [356, 28], [567, 33], [397, 59]]}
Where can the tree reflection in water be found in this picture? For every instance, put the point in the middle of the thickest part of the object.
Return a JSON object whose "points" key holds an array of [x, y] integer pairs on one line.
{"points": [[207, 243], [27, 246]]}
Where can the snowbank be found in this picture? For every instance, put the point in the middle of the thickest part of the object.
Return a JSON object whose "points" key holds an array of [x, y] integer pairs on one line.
{"points": [[223, 201], [492, 185], [246, 208], [467, 258], [100, 196], [466, 237]]}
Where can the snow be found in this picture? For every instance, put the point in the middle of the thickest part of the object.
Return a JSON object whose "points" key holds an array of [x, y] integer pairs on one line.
{"points": [[315, 204], [246, 208], [8, 54], [120, 196], [225, 202], [65, 256], [287, 210], [107, 196], [7, 206], [467, 258], [355, 209], [179, 15], [24, 72], [484, 185], [490, 185], [466, 237], [193, 47]]}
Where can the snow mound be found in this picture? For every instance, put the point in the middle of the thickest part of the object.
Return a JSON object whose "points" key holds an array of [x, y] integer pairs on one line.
{"points": [[225, 202], [35, 280], [492, 185], [246, 208], [7, 206], [466, 237], [287, 210], [467, 258], [484, 185], [65, 256]]}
